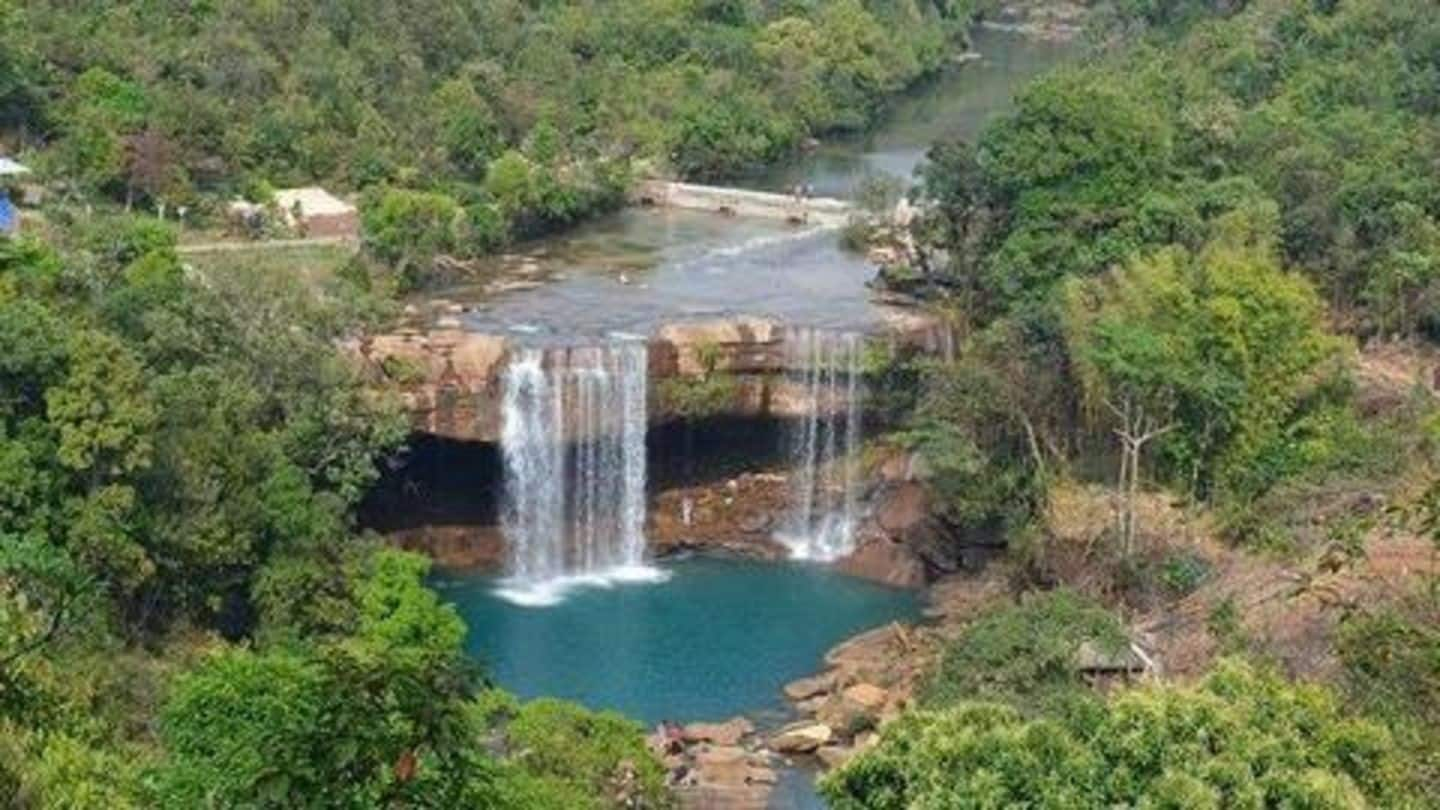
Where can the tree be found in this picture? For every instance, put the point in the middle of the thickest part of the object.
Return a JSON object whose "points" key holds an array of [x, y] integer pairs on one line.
{"points": [[101, 111], [1221, 356], [367, 719], [410, 229], [1242, 738]]}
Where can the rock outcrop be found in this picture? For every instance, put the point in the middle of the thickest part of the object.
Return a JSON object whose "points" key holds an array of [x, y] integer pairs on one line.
{"points": [[450, 380]]}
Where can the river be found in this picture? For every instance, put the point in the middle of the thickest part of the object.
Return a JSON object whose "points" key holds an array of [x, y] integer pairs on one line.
{"points": [[714, 639]]}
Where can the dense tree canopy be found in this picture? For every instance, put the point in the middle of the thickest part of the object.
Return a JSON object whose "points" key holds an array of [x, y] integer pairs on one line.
{"points": [[167, 103], [1240, 739], [1327, 111]]}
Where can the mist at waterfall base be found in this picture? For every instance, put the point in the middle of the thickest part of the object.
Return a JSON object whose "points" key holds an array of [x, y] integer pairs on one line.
{"points": [[717, 638]]}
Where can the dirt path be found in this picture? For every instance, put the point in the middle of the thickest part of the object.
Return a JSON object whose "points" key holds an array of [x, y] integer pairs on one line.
{"points": [[240, 246]]}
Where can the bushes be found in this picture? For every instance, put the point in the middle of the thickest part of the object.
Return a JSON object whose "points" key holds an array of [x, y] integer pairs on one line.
{"points": [[597, 759], [1023, 654], [1242, 738], [1392, 669]]}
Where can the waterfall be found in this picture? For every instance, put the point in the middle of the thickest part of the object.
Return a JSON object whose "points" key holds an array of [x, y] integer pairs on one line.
{"points": [[823, 444], [572, 439]]}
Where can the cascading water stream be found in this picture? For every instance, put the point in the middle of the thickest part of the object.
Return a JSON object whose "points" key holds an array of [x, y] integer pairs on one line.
{"points": [[573, 443], [823, 444]]}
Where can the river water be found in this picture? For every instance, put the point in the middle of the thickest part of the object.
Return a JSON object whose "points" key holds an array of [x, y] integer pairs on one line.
{"points": [[637, 268], [714, 638]]}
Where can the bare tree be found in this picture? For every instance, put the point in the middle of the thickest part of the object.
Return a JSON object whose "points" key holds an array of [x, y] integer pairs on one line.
{"points": [[1137, 427]]}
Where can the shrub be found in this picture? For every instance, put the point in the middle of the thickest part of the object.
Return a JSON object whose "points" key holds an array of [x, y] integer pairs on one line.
{"points": [[1242, 738], [1023, 654]]}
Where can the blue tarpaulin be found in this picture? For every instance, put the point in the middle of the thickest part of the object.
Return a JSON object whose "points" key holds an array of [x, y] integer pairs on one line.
{"points": [[9, 217]]}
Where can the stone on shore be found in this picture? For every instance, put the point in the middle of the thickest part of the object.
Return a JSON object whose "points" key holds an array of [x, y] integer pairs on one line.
{"points": [[806, 688], [728, 733], [802, 739], [867, 696], [833, 756]]}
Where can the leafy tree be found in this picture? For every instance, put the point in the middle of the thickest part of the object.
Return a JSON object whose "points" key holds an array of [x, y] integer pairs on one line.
{"points": [[355, 722], [1222, 357], [1241, 738]]}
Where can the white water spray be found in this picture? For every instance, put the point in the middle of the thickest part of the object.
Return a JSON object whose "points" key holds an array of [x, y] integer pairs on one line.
{"points": [[573, 441], [823, 444]]}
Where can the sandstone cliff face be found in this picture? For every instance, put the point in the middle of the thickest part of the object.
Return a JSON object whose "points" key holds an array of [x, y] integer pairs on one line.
{"points": [[452, 385], [451, 380]]}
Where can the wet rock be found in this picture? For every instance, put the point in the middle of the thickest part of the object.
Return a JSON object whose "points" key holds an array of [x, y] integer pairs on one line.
{"points": [[883, 560], [460, 547], [728, 733], [802, 739], [866, 696], [809, 687], [812, 705], [903, 508], [833, 756]]}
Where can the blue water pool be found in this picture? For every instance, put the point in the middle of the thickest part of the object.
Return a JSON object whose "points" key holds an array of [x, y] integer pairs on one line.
{"points": [[715, 639]]}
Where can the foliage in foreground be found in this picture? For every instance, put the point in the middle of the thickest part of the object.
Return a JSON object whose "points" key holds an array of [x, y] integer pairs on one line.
{"points": [[1242, 738]]}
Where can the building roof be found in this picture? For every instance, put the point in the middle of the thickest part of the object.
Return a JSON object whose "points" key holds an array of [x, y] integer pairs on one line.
{"points": [[9, 168], [313, 201]]}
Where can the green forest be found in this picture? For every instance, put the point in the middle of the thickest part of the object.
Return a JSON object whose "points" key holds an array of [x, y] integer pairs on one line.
{"points": [[483, 121], [1166, 265]]}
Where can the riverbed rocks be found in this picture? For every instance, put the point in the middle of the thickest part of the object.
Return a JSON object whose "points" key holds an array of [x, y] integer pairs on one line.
{"points": [[716, 766], [801, 738], [1053, 20], [729, 733], [807, 688]]}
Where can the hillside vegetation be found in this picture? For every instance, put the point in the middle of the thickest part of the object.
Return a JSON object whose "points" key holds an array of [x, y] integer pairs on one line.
{"points": [[514, 118], [1173, 263]]}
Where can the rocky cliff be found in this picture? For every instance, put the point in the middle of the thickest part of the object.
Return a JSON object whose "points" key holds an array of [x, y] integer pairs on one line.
{"points": [[451, 380]]}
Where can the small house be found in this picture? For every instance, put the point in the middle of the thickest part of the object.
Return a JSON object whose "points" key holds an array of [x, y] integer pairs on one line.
{"points": [[313, 212], [10, 174]]}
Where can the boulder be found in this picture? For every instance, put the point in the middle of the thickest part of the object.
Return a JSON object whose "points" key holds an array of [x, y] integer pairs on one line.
{"points": [[728, 733], [802, 738], [729, 767], [866, 696], [833, 756], [722, 765], [812, 705], [902, 509], [883, 560], [805, 688]]}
